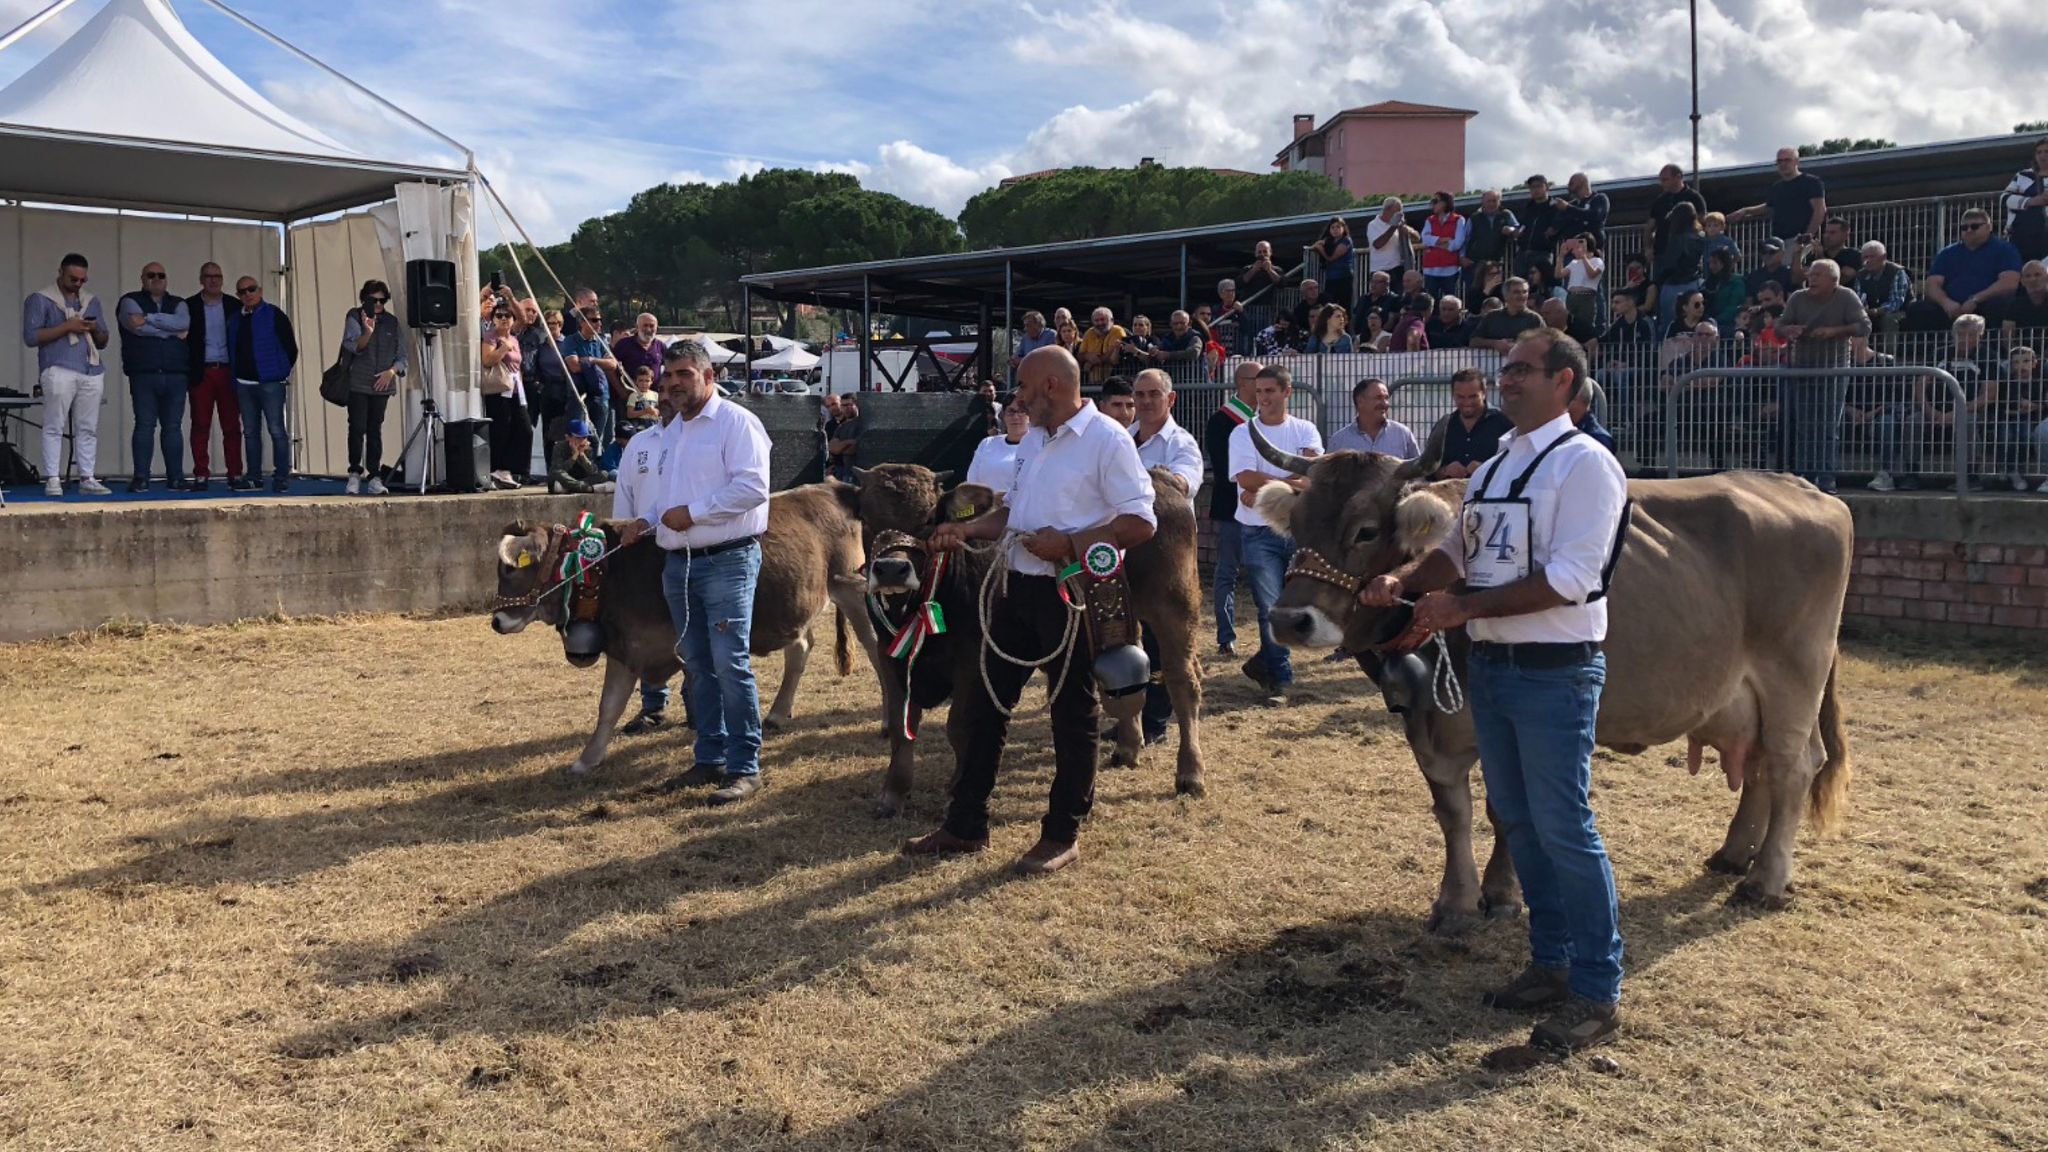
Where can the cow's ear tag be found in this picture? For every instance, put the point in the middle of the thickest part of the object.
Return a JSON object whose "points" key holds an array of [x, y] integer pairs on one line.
{"points": [[964, 512], [525, 559]]}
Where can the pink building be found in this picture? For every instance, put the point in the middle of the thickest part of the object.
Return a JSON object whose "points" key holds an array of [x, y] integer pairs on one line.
{"points": [[1392, 146]]}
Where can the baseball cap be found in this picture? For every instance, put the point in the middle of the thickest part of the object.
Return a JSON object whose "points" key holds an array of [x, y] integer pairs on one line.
{"points": [[578, 427], [1773, 244]]}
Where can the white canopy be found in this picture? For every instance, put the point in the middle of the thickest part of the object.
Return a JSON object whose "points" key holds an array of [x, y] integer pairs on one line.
{"points": [[789, 358], [71, 131]]}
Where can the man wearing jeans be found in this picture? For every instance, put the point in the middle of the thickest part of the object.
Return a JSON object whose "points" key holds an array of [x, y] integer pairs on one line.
{"points": [[154, 325], [1528, 572], [711, 513], [263, 352], [1267, 552], [1820, 320], [63, 323], [1223, 502]]}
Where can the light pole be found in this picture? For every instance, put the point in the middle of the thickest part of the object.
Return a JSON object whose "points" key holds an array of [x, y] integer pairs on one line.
{"points": [[1693, 23]]}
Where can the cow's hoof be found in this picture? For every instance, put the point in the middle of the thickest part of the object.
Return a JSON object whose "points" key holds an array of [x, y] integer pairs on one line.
{"points": [[579, 768], [773, 723], [1190, 786], [1727, 865], [1122, 758], [1750, 894], [1451, 922], [1501, 909], [888, 807]]}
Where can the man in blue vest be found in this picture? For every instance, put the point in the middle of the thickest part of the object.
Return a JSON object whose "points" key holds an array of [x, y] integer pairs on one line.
{"points": [[263, 351], [154, 327]]}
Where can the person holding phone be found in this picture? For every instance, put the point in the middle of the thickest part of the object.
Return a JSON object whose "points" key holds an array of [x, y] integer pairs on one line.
{"points": [[374, 342]]}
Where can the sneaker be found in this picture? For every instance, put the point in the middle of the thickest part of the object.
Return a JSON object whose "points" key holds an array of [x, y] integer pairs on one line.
{"points": [[281, 484], [53, 487], [1882, 482], [375, 487], [1255, 670], [737, 788], [1579, 1025], [644, 722], [2016, 482], [92, 487], [699, 776], [1226, 651], [1535, 990], [196, 484], [138, 485], [355, 484], [245, 484]]}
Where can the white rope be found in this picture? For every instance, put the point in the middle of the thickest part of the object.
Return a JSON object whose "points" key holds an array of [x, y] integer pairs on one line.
{"points": [[996, 583], [1444, 689]]}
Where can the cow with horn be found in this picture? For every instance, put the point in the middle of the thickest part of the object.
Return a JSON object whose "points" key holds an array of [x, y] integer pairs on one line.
{"points": [[1726, 600]]}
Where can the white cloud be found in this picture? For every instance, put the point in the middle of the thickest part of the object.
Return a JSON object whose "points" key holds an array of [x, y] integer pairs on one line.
{"points": [[920, 176]]}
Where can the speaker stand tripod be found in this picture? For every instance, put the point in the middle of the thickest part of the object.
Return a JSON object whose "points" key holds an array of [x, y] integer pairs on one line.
{"points": [[430, 418]]}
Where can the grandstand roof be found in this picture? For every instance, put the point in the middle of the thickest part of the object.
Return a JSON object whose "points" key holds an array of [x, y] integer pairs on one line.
{"points": [[1146, 269]]}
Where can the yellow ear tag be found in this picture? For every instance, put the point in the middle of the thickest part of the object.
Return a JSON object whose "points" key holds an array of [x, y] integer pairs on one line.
{"points": [[964, 512], [525, 559]]}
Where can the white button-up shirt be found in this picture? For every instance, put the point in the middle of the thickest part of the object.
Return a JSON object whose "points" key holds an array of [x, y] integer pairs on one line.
{"points": [[995, 463], [1575, 502], [640, 469], [717, 468], [1297, 436], [1175, 449], [1082, 476]]}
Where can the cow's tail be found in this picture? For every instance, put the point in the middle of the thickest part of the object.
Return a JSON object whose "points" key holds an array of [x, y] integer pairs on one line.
{"points": [[842, 658], [1830, 792]]}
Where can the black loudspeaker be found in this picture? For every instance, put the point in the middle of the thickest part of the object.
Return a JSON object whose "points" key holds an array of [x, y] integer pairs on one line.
{"points": [[467, 444], [430, 293]]}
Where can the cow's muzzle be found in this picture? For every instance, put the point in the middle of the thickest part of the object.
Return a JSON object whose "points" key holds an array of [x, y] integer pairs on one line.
{"points": [[892, 575], [506, 622], [1306, 627]]}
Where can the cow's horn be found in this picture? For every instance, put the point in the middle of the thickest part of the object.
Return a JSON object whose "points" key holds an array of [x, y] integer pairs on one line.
{"points": [[1432, 452], [943, 479], [859, 475], [1295, 465]]}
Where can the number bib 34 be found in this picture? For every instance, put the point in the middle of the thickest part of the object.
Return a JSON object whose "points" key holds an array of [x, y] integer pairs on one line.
{"points": [[1496, 542]]}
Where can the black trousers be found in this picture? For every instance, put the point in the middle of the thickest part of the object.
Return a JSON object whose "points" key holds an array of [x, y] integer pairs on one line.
{"points": [[366, 431], [1027, 623], [511, 435]]}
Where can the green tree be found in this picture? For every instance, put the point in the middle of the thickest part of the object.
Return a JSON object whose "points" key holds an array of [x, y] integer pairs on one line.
{"points": [[1841, 144], [1084, 203], [2031, 126]]}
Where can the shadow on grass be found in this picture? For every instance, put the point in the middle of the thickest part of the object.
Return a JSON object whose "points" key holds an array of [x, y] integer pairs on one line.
{"points": [[2020, 659], [1263, 1047]]}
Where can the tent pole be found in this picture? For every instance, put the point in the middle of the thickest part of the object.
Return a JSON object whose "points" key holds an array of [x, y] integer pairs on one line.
{"points": [[575, 393], [1010, 324], [468, 157], [867, 328], [747, 334], [34, 22]]}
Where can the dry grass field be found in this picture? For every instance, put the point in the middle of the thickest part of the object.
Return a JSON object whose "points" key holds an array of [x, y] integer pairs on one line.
{"points": [[320, 885]]}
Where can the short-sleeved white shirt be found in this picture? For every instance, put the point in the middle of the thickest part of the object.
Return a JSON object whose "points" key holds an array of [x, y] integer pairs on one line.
{"points": [[1296, 436]]}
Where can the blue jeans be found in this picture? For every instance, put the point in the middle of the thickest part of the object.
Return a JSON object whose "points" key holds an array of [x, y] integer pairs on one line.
{"points": [[159, 399], [1266, 554], [711, 601], [1229, 556], [653, 695], [263, 404], [1535, 729]]}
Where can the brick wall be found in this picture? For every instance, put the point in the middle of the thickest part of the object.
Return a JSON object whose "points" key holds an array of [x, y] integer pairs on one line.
{"points": [[1933, 564]]}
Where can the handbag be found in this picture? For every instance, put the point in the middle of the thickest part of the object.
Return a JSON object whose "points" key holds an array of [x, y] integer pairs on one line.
{"points": [[334, 381], [496, 379]]}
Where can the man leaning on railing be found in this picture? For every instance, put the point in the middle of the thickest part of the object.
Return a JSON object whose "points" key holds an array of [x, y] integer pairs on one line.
{"points": [[1819, 320]]}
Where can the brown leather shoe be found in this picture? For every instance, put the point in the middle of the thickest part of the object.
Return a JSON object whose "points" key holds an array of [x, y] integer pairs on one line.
{"points": [[1048, 856], [939, 842]]}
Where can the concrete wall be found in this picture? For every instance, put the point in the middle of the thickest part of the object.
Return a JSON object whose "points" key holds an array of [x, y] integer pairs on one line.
{"points": [[65, 569]]}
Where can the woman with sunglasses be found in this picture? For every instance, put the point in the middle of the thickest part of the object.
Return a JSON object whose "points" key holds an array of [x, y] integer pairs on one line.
{"points": [[504, 388], [373, 341]]}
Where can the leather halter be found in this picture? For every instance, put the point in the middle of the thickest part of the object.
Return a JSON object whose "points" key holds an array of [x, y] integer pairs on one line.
{"points": [[1311, 565], [541, 573]]}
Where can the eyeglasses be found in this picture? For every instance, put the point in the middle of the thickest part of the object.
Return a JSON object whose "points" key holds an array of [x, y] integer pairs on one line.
{"points": [[210, 276], [251, 290], [1516, 370], [1975, 227], [152, 275], [380, 299]]}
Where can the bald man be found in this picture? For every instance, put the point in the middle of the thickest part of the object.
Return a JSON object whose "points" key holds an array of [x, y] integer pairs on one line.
{"points": [[640, 350], [1080, 482]]}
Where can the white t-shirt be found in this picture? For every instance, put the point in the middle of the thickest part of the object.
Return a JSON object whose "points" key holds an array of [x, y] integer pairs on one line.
{"points": [[640, 468], [995, 463], [1297, 436], [1583, 272], [1386, 259]]}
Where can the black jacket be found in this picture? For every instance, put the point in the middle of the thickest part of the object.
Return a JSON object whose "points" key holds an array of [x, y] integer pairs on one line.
{"points": [[195, 340]]}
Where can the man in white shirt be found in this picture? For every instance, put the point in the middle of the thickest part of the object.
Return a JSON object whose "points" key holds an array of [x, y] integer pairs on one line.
{"points": [[712, 510], [1387, 237], [1080, 484], [1375, 430], [1162, 443], [1527, 570], [1266, 552], [634, 501]]}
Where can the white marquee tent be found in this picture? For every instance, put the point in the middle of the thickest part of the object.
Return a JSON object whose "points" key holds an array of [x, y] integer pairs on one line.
{"points": [[789, 358], [69, 135]]}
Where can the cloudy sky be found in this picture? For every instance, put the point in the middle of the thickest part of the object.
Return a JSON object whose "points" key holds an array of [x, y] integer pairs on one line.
{"points": [[572, 107]]}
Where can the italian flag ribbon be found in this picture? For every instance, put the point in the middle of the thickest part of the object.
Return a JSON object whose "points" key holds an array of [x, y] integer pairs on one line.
{"points": [[1238, 410], [581, 554], [927, 621]]}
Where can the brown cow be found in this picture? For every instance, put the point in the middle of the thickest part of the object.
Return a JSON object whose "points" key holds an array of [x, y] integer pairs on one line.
{"points": [[1723, 616], [908, 499], [810, 556]]}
